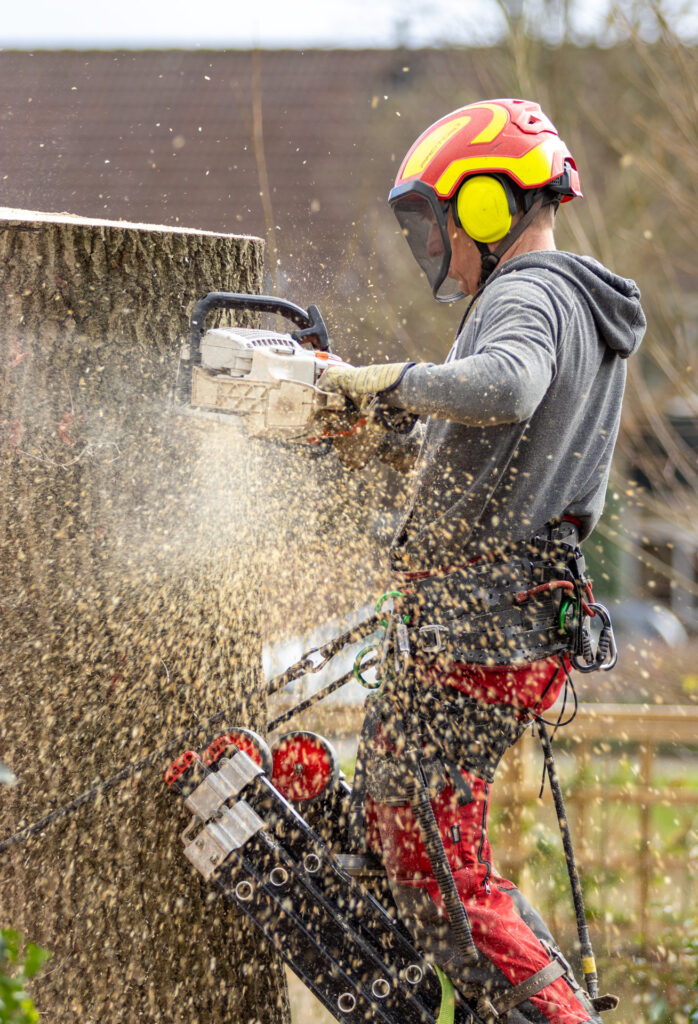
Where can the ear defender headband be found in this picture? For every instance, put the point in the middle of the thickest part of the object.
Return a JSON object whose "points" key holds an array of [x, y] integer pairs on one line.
{"points": [[484, 207]]}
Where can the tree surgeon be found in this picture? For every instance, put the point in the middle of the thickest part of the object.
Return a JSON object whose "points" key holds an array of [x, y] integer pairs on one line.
{"points": [[518, 428]]}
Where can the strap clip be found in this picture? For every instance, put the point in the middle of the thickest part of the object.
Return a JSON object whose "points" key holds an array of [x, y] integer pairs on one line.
{"points": [[437, 630]]}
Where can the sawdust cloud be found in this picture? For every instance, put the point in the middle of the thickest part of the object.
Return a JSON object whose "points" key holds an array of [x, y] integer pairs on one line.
{"points": [[144, 567]]}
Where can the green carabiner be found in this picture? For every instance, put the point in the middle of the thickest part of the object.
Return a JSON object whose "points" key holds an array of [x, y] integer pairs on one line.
{"points": [[357, 668], [564, 608], [381, 602]]}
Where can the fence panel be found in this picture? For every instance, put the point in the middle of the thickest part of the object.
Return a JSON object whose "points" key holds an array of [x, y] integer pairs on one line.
{"points": [[621, 775]]}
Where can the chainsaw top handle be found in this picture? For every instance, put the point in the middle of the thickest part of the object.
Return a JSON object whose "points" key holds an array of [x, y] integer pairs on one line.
{"points": [[310, 321]]}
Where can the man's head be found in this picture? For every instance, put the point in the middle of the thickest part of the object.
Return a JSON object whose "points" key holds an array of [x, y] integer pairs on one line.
{"points": [[473, 182]]}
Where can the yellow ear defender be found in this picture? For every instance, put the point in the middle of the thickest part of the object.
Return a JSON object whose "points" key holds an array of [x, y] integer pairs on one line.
{"points": [[483, 207]]}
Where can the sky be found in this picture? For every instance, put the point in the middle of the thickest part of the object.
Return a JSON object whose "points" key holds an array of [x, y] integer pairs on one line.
{"points": [[237, 23], [240, 24]]}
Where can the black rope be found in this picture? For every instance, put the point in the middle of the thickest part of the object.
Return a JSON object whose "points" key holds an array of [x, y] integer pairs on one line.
{"points": [[586, 950], [326, 651], [320, 695], [559, 724]]}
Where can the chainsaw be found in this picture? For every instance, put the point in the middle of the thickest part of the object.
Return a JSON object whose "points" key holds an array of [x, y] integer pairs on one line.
{"points": [[269, 378]]}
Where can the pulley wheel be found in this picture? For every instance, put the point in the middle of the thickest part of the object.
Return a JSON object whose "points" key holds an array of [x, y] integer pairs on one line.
{"points": [[243, 739], [179, 766], [306, 766]]}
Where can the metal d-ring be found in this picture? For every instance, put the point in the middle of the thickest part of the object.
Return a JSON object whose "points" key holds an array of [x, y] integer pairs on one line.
{"points": [[437, 630]]}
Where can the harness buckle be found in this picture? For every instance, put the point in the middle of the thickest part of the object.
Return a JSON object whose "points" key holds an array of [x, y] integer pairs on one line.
{"points": [[437, 630]]}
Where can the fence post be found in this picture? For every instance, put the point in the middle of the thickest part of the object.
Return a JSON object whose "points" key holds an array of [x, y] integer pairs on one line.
{"points": [[647, 763]]}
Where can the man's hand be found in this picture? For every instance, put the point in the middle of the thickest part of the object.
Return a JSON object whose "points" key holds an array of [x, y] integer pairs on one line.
{"points": [[363, 386], [361, 381]]}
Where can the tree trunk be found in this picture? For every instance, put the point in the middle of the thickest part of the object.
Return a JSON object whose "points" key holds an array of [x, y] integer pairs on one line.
{"points": [[125, 618]]}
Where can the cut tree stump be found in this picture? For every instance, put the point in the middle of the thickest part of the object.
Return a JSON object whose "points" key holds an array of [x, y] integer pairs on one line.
{"points": [[126, 618]]}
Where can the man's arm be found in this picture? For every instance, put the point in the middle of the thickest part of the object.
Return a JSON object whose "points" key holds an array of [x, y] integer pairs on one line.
{"points": [[502, 381], [498, 386]]}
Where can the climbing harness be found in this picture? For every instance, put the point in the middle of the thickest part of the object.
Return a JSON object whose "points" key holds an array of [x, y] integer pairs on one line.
{"points": [[534, 602]]}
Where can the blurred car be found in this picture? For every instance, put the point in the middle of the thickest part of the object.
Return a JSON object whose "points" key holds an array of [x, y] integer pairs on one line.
{"points": [[634, 619]]}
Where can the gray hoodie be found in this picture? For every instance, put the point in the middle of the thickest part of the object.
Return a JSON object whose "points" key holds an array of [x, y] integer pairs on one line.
{"points": [[524, 413]]}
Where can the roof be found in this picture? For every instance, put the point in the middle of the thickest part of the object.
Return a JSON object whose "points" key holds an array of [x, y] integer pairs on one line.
{"points": [[192, 138]]}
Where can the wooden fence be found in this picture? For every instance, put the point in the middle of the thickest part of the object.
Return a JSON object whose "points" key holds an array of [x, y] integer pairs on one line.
{"points": [[618, 766]]}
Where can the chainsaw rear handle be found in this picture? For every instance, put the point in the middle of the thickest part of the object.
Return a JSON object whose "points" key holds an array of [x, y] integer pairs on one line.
{"points": [[310, 321]]}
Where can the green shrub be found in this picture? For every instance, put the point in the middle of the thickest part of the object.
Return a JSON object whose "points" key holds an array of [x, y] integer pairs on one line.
{"points": [[17, 965]]}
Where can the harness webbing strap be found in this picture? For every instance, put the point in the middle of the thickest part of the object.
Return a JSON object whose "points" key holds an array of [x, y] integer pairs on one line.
{"points": [[499, 1005], [433, 844], [496, 612]]}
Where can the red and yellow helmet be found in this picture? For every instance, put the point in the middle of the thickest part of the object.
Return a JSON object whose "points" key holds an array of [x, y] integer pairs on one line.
{"points": [[501, 142]]}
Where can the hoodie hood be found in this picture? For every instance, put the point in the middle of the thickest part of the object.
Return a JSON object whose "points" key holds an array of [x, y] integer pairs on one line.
{"points": [[614, 301]]}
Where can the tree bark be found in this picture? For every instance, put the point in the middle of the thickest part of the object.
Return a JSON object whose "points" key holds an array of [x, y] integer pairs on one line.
{"points": [[125, 618]]}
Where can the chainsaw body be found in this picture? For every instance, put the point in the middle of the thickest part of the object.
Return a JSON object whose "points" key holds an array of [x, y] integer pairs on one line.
{"points": [[267, 377]]}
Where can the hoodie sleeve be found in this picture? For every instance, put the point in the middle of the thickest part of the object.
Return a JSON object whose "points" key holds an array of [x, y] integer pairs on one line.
{"points": [[509, 368]]}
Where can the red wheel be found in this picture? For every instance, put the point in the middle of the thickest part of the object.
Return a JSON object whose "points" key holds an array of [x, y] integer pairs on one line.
{"points": [[241, 739], [305, 766]]}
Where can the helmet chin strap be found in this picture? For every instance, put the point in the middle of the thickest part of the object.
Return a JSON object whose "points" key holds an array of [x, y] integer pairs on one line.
{"points": [[491, 259]]}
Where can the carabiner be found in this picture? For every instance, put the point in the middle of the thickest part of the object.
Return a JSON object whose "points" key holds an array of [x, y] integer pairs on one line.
{"points": [[606, 654], [587, 665], [357, 667], [381, 601], [606, 650]]}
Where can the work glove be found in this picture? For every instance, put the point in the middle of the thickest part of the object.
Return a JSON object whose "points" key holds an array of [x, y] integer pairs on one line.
{"points": [[361, 381], [364, 386]]}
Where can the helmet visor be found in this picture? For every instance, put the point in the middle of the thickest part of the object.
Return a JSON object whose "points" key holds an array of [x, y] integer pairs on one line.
{"points": [[424, 223]]}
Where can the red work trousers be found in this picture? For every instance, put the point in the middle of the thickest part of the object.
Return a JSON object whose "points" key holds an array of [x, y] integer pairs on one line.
{"points": [[512, 939]]}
